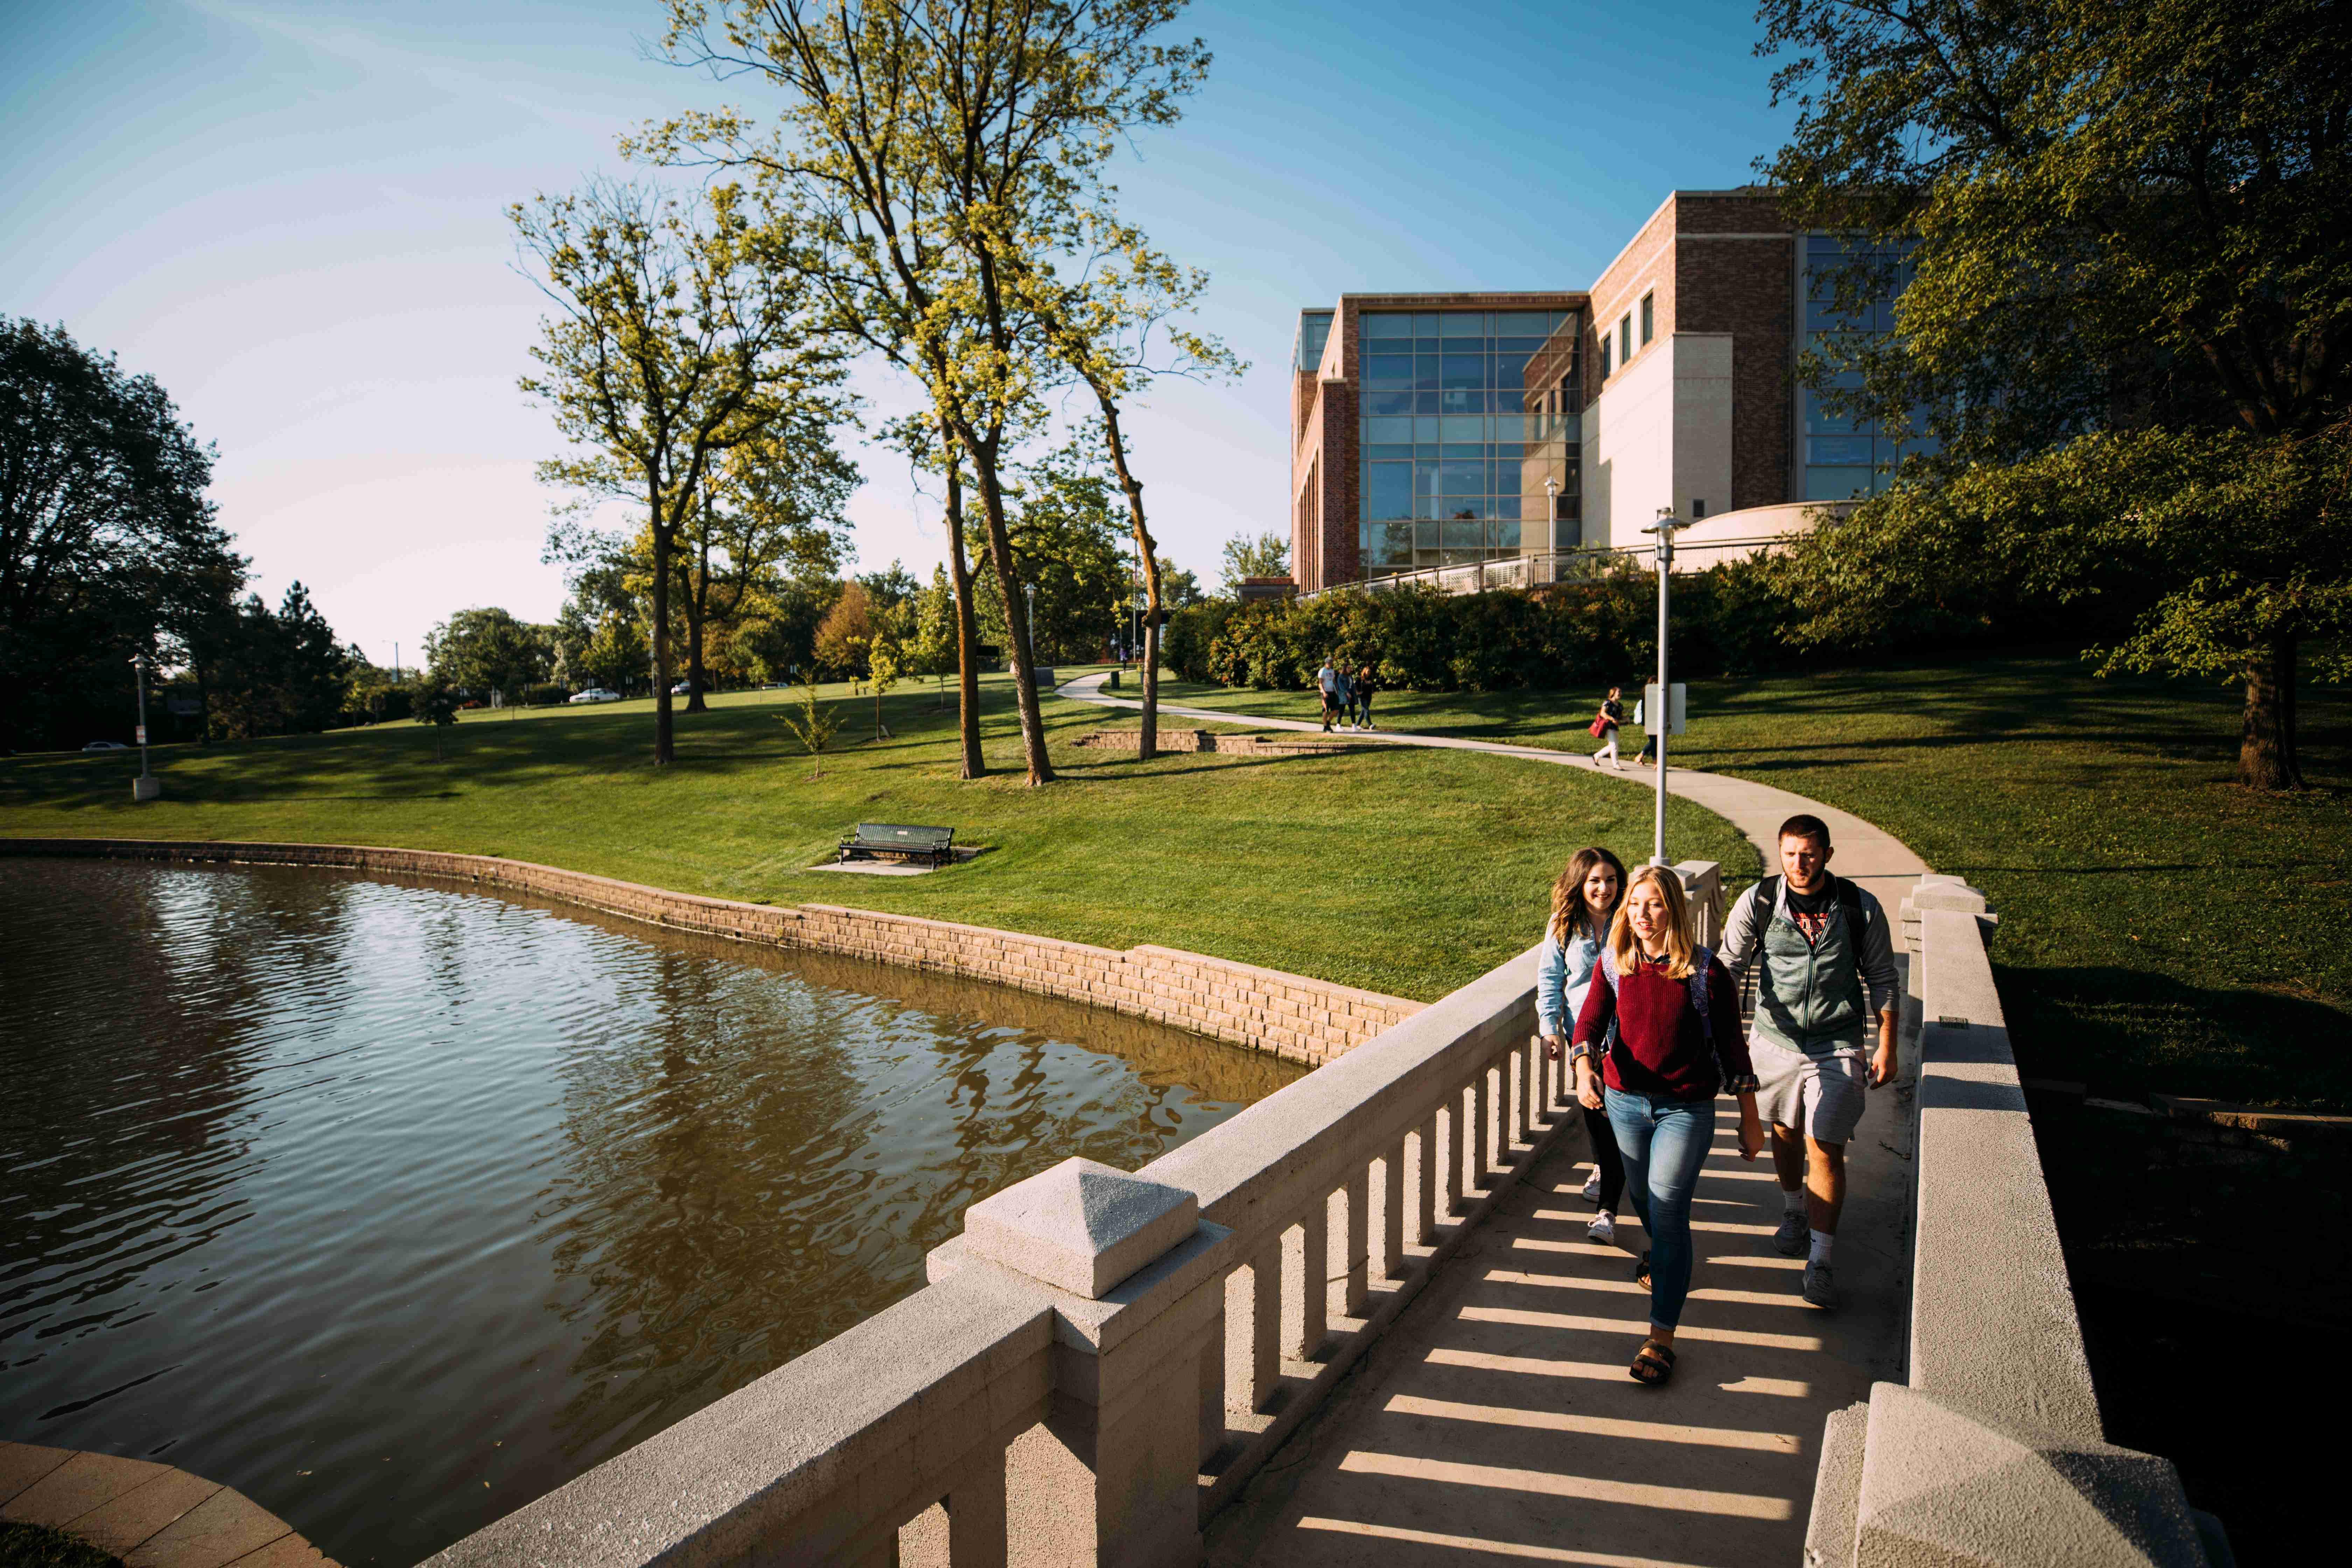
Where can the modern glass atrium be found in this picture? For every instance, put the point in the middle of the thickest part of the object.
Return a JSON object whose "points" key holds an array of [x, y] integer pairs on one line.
{"points": [[1845, 457], [1458, 440]]}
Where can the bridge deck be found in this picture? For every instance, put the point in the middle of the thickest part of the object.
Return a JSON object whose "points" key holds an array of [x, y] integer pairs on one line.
{"points": [[1495, 1420]]}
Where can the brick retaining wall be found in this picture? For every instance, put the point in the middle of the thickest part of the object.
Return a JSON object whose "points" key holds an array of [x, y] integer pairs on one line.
{"points": [[1226, 745], [1290, 1016]]}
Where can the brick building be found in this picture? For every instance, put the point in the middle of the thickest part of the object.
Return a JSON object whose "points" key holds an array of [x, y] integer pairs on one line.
{"points": [[1440, 429]]}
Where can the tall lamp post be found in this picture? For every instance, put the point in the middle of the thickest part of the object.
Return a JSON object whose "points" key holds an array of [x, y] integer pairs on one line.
{"points": [[1661, 710], [146, 786]]}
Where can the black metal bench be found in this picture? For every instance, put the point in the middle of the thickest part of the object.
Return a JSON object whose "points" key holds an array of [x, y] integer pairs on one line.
{"points": [[880, 840]]}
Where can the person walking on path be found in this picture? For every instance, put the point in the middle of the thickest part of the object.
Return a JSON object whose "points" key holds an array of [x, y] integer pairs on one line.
{"points": [[1604, 724], [1367, 683], [1344, 691], [1326, 681], [1666, 1023], [1828, 972], [1583, 902]]}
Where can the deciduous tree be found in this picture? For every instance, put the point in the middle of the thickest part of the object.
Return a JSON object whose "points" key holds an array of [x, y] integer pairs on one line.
{"points": [[107, 545], [1267, 555], [679, 334], [935, 137], [2130, 291]]}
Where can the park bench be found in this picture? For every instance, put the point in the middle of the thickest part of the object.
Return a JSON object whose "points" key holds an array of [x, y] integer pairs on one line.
{"points": [[880, 839]]}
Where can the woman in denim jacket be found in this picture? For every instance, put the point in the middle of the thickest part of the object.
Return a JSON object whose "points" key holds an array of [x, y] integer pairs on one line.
{"points": [[1583, 901]]}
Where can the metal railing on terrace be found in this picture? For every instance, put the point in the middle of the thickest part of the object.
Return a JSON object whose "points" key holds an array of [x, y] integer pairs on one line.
{"points": [[1545, 568]]}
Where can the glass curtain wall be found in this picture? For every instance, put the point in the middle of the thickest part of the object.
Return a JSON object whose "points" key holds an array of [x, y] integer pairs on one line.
{"points": [[1844, 457], [1454, 450]]}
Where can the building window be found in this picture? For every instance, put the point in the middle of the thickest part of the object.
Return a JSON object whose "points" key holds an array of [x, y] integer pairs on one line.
{"points": [[1649, 317], [1625, 339], [1698, 509], [1605, 342], [1842, 457]]}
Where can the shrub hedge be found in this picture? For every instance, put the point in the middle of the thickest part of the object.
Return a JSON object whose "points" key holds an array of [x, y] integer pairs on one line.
{"points": [[1726, 621]]}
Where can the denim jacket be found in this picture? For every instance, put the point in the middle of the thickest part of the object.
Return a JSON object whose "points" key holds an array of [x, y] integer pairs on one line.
{"points": [[1564, 975]]}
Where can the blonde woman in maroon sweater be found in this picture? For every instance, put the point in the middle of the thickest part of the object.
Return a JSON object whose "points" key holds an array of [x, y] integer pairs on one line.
{"points": [[1676, 1046]]}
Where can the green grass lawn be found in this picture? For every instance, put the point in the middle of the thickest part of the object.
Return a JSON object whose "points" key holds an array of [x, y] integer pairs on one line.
{"points": [[2162, 929], [1405, 872]]}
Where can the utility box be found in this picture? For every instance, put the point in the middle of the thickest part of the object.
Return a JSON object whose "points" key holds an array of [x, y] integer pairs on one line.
{"points": [[146, 786], [1675, 708]]}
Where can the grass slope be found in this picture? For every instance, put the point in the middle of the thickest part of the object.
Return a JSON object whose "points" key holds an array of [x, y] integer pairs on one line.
{"points": [[2162, 929], [1402, 872]]}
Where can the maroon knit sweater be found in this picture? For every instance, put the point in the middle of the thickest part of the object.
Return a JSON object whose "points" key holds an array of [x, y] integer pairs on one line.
{"points": [[1661, 1050]]}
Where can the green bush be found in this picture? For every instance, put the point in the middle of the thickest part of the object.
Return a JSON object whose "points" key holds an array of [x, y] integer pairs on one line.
{"points": [[1727, 620], [545, 695], [1185, 640]]}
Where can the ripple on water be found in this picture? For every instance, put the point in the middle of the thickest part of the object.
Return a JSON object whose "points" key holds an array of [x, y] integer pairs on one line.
{"points": [[394, 1206]]}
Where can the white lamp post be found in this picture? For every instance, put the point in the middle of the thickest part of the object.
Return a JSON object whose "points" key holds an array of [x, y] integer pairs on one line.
{"points": [[1660, 714], [146, 786], [1029, 597]]}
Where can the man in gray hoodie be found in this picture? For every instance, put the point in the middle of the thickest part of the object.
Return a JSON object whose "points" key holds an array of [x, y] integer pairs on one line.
{"points": [[1827, 986]]}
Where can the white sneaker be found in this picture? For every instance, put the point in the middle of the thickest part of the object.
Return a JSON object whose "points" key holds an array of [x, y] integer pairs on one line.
{"points": [[1602, 1228], [1592, 1188]]}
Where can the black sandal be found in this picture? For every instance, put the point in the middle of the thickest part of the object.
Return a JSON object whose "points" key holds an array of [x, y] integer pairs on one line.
{"points": [[1641, 1272], [1653, 1364]]}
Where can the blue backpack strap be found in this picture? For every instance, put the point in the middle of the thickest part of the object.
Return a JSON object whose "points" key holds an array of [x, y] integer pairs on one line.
{"points": [[1606, 963]]}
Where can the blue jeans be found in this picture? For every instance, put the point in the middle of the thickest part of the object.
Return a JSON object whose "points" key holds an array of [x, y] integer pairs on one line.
{"points": [[1664, 1143]]}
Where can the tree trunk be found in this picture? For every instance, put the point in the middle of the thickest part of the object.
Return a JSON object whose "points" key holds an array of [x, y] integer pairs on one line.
{"points": [[1148, 742], [2266, 745], [698, 611], [664, 751], [1016, 618], [975, 765]]}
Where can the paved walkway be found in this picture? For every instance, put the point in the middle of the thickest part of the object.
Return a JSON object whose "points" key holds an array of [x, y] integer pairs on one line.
{"points": [[1867, 854], [151, 1515], [1495, 1421]]}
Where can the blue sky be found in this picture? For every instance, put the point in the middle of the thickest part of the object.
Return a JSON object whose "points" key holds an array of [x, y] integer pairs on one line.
{"points": [[292, 213]]}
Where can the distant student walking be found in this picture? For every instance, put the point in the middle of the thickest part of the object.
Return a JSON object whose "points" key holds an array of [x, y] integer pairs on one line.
{"points": [[1366, 682], [1326, 681], [1583, 902], [1675, 1047], [1829, 982], [1604, 726]]}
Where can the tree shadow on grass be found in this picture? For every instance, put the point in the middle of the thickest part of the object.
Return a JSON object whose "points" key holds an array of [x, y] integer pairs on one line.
{"points": [[2129, 1033]]}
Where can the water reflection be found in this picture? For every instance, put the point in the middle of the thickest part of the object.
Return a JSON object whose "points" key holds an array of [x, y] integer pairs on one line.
{"points": [[394, 1206]]}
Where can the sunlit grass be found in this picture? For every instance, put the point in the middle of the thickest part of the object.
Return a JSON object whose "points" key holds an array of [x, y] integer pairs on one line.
{"points": [[2162, 928], [1406, 872]]}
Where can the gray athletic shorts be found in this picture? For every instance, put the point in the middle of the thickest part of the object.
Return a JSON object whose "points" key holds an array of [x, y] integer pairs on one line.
{"points": [[1819, 1096]]}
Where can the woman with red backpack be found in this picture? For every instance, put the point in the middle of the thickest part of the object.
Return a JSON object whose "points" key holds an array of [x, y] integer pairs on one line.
{"points": [[1664, 1017], [1604, 728]]}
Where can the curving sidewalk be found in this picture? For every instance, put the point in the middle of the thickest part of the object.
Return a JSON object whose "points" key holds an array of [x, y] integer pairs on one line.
{"points": [[1866, 854]]}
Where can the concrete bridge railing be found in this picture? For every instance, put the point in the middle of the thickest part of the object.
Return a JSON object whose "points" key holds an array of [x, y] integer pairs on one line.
{"points": [[1993, 1452], [1101, 1359]]}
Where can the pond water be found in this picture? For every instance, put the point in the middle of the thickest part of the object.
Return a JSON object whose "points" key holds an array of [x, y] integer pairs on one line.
{"points": [[393, 1206]]}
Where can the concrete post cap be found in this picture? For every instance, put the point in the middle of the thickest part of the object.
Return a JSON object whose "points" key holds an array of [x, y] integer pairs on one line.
{"points": [[1081, 1227], [1945, 1484]]}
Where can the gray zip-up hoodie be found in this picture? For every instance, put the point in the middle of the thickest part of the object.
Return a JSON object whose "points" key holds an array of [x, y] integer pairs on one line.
{"points": [[1811, 997]]}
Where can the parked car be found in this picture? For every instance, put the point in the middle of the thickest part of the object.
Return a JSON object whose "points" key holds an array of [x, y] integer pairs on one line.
{"points": [[594, 694], [106, 746], [683, 689]]}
